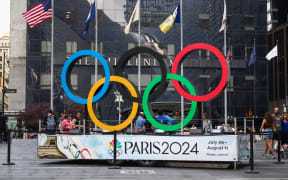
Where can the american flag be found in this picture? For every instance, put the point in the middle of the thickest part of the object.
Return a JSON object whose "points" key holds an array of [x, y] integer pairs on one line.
{"points": [[38, 13]]}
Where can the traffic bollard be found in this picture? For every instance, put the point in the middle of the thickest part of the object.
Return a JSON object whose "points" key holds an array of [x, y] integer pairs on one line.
{"points": [[9, 150], [115, 153], [251, 160]]}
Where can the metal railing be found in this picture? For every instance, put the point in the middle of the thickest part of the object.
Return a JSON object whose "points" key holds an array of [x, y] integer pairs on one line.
{"points": [[236, 125]]}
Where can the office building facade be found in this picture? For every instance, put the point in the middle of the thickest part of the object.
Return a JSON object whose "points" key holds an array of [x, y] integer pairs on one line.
{"points": [[277, 29], [31, 50], [4, 53]]}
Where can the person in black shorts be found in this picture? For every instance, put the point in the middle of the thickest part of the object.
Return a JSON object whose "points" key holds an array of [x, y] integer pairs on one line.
{"points": [[277, 124]]}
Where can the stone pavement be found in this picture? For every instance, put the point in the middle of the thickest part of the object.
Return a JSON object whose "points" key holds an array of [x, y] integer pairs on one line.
{"points": [[28, 167]]}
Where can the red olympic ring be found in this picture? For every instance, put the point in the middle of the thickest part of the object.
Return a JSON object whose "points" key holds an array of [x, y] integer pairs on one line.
{"points": [[223, 80], [85, 149]]}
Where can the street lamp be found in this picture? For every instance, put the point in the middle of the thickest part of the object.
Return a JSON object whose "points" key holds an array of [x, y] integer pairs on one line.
{"points": [[120, 100]]}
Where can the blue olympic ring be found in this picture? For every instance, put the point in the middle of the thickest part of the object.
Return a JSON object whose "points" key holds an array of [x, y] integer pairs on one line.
{"points": [[104, 88]]}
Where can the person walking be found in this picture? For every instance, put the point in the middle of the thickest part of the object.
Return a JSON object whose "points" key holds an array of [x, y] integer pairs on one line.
{"points": [[267, 128], [284, 133], [277, 124], [140, 123]]}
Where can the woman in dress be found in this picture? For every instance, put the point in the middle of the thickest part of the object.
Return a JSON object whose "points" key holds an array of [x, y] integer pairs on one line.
{"points": [[267, 128]]}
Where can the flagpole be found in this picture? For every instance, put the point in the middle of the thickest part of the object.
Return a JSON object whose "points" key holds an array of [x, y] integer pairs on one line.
{"points": [[225, 54], [96, 49], [52, 57], [278, 84], [182, 67], [255, 110], [139, 55]]}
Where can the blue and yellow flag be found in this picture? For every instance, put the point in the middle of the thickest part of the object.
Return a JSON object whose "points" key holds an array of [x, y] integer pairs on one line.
{"points": [[171, 20]]}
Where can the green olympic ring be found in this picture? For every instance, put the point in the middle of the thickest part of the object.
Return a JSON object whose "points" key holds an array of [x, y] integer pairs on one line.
{"points": [[146, 108]]}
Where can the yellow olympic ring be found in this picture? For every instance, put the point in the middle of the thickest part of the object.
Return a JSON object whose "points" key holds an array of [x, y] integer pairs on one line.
{"points": [[132, 115]]}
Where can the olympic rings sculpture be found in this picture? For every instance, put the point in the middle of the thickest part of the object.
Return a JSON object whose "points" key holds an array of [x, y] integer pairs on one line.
{"points": [[156, 87]]}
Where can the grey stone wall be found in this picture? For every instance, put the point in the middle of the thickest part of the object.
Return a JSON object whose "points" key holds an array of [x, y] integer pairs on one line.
{"points": [[17, 76]]}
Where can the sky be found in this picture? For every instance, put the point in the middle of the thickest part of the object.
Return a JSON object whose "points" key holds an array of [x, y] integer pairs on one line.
{"points": [[4, 16]]}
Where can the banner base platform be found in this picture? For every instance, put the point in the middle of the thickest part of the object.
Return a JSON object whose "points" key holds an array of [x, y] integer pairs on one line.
{"points": [[220, 148]]}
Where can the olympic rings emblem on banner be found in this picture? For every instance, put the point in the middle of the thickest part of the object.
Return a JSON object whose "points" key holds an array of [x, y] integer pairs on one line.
{"points": [[156, 87]]}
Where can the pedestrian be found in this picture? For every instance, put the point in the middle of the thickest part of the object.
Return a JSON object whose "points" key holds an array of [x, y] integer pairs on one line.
{"points": [[284, 132], [170, 119], [140, 123], [19, 129], [193, 127], [162, 119], [60, 119], [267, 128], [206, 124], [67, 124], [50, 123], [277, 124], [79, 121], [177, 117]]}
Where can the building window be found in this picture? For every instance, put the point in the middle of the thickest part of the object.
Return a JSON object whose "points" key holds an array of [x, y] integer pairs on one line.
{"points": [[45, 48], [71, 16], [171, 49], [100, 47], [71, 47], [203, 54], [45, 80], [204, 20], [229, 20], [74, 81], [99, 76], [249, 23], [131, 45]]}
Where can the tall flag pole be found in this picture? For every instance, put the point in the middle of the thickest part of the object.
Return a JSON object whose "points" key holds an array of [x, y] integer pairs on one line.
{"points": [[52, 57], [255, 78], [139, 44], [136, 17], [96, 48], [96, 40], [272, 54], [224, 27], [253, 61], [182, 67]]}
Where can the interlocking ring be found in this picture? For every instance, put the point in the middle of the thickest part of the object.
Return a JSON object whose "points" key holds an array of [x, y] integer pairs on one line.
{"points": [[147, 109], [66, 71], [160, 89], [223, 80], [134, 110], [161, 81]]}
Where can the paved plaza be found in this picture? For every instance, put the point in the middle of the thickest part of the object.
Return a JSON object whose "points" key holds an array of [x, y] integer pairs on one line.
{"points": [[24, 154]]}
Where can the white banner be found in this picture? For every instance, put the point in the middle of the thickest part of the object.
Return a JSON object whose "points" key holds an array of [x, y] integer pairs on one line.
{"points": [[140, 147]]}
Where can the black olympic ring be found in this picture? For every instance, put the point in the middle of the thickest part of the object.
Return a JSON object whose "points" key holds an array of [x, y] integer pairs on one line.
{"points": [[157, 91]]}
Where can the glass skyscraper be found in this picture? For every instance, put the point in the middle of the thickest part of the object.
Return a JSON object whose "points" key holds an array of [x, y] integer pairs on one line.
{"points": [[246, 21]]}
